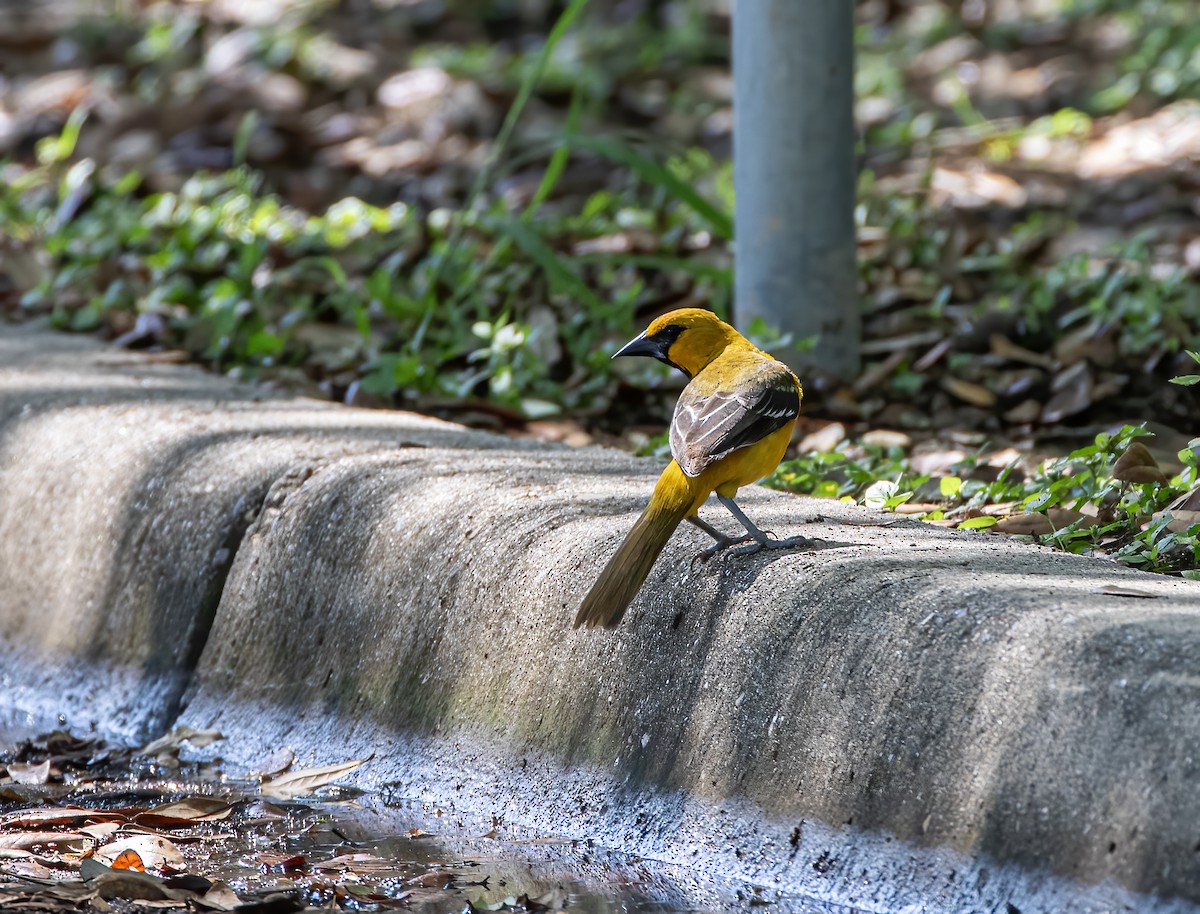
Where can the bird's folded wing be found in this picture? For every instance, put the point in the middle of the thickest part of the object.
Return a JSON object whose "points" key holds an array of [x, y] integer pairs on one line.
{"points": [[740, 411]]}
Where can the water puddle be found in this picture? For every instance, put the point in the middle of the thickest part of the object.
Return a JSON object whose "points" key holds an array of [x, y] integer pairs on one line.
{"points": [[85, 827]]}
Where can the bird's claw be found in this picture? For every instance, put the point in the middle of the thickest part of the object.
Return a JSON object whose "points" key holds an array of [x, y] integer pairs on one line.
{"points": [[792, 542], [720, 546]]}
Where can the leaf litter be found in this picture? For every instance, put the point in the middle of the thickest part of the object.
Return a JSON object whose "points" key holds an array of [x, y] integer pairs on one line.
{"points": [[113, 829]]}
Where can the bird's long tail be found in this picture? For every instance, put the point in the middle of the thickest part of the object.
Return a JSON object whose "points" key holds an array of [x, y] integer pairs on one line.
{"points": [[626, 571]]}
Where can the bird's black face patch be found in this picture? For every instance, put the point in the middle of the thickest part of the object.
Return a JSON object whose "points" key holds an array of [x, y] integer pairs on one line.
{"points": [[656, 347], [663, 341]]}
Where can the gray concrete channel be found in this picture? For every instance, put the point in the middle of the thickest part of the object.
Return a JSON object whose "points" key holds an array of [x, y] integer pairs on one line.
{"points": [[922, 720]]}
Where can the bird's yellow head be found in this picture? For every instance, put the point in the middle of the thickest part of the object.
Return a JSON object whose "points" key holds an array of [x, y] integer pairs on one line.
{"points": [[687, 339]]}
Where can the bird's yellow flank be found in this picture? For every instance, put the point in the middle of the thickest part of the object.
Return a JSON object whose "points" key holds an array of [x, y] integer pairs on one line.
{"points": [[731, 427]]}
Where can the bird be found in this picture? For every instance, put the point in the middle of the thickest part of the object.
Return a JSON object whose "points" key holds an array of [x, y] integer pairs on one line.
{"points": [[731, 427]]}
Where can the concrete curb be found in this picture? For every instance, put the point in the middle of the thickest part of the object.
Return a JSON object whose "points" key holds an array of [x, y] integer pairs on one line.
{"points": [[919, 720]]}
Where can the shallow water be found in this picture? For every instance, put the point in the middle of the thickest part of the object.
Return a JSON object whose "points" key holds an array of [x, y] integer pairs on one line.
{"points": [[339, 850]]}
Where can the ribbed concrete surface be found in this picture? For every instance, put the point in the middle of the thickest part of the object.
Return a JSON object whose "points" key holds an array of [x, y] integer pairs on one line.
{"points": [[920, 719]]}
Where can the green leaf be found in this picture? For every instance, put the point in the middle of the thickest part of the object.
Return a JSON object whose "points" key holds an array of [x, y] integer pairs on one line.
{"points": [[978, 523], [554, 266], [558, 160], [241, 138], [335, 270], [1186, 380], [263, 344], [659, 175], [949, 486], [1040, 501]]}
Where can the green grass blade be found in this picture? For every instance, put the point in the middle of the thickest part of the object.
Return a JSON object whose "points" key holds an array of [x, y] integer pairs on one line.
{"points": [[555, 268], [649, 170]]}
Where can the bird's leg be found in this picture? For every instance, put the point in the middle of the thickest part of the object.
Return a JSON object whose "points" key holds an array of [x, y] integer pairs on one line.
{"points": [[722, 541], [761, 539]]}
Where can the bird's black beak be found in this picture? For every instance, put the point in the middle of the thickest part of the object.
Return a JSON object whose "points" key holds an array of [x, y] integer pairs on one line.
{"points": [[644, 345]]}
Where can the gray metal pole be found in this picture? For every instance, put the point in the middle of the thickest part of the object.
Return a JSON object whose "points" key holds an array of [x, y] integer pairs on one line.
{"points": [[795, 176]]}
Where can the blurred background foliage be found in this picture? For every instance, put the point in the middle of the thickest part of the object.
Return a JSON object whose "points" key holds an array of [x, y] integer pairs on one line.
{"points": [[314, 191], [321, 193], [464, 206]]}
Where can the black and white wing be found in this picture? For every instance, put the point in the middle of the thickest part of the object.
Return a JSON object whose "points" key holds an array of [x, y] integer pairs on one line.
{"points": [[707, 426]]}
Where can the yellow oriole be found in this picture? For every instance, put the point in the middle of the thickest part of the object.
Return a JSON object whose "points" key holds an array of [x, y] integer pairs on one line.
{"points": [[731, 427]]}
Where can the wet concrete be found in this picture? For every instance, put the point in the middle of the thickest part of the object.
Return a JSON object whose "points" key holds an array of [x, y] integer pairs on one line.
{"points": [[921, 718]]}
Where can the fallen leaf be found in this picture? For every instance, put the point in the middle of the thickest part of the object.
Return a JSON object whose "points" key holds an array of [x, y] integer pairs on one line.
{"points": [[356, 863], [823, 440], [280, 862], [1005, 348], [67, 815], [149, 850], [62, 840], [30, 775], [886, 438], [185, 812], [172, 742], [969, 392], [132, 885], [434, 879], [306, 781], [220, 897], [27, 869], [277, 761], [1043, 523], [129, 860], [1137, 465], [1074, 395]]}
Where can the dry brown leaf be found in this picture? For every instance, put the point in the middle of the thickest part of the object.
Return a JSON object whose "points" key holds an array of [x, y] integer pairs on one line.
{"points": [[185, 812], [1137, 465], [61, 840], [823, 440], [906, 342], [1074, 395], [936, 462], [916, 507], [67, 815], [101, 831], [1005, 348], [132, 885], [173, 741], [155, 852], [1024, 525], [931, 357], [277, 761], [969, 392], [1043, 523], [28, 869], [30, 775], [1023, 413], [221, 897], [1180, 520], [1000, 508], [280, 862], [356, 863], [129, 860], [306, 781], [886, 438], [434, 879]]}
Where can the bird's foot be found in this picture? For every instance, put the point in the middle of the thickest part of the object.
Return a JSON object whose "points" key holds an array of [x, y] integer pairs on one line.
{"points": [[722, 543], [768, 542]]}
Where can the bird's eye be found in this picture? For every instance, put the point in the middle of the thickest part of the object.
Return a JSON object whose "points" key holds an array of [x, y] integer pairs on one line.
{"points": [[669, 334]]}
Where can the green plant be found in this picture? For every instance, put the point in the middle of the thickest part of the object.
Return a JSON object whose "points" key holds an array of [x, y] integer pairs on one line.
{"points": [[1077, 499]]}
